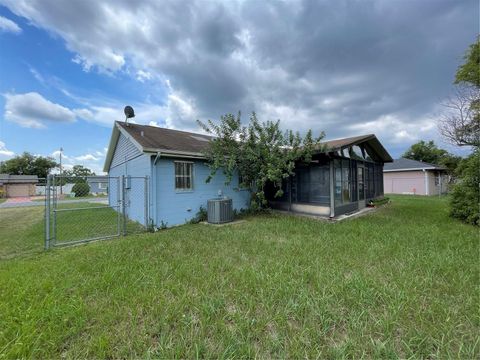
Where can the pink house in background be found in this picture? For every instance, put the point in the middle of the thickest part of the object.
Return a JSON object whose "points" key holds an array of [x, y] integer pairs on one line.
{"points": [[405, 176]]}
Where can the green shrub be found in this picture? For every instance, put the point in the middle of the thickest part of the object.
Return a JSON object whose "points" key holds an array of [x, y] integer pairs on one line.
{"points": [[81, 189], [201, 215], [465, 199]]}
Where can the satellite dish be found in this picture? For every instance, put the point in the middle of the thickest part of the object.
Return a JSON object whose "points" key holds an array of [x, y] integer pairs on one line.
{"points": [[129, 113]]}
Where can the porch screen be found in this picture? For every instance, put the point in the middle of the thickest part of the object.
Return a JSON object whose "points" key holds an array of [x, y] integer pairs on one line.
{"points": [[313, 185]]}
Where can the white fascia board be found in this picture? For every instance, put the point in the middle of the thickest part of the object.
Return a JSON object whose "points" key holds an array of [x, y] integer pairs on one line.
{"points": [[414, 169]]}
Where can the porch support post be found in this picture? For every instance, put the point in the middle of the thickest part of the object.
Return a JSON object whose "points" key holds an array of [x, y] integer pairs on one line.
{"points": [[290, 193], [332, 189]]}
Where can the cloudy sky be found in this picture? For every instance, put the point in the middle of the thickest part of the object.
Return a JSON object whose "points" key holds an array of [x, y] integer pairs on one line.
{"points": [[68, 67]]}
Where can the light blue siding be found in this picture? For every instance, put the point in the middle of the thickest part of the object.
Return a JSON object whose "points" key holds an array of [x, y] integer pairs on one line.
{"points": [[125, 150], [137, 167], [176, 207]]}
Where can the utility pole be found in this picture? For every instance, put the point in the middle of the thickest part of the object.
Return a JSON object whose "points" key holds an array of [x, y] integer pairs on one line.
{"points": [[61, 180]]}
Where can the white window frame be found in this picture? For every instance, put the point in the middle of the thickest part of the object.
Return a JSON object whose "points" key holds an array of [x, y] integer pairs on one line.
{"points": [[102, 185], [183, 176]]}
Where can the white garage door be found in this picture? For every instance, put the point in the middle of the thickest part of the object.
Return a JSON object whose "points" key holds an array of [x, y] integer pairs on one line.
{"points": [[18, 190]]}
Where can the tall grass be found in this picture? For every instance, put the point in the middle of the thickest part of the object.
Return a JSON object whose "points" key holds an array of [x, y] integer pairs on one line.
{"points": [[402, 282]]}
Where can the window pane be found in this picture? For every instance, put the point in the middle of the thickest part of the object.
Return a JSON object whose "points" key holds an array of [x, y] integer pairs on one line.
{"points": [[320, 184], [183, 175], [345, 192]]}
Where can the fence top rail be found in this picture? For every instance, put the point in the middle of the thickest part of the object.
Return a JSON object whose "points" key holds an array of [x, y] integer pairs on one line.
{"points": [[87, 208]]}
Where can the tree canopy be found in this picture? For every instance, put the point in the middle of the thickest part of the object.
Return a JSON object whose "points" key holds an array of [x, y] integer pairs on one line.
{"points": [[460, 122], [28, 164], [469, 72], [79, 170], [429, 152], [260, 152]]}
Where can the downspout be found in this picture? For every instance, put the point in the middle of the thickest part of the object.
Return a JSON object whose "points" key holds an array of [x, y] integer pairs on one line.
{"points": [[426, 182], [332, 189], [154, 188]]}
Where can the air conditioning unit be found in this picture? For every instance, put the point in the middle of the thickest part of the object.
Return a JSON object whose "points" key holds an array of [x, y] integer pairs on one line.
{"points": [[219, 211]]}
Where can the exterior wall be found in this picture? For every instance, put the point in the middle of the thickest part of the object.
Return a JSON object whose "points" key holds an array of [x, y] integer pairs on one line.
{"points": [[176, 207], [136, 168], [404, 182], [125, 150], [442, 187], [320, 210], [14, 190]]}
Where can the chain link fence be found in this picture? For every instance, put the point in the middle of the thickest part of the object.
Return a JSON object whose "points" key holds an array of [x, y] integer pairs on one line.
{"points": [[85, 208]]}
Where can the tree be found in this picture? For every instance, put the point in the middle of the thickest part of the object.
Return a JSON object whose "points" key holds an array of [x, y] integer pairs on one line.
{"points": [[28, 164], [430, 153], [260, 152], [425, 151], [76, 175], [465, 197], [461, 126], [460, 123], [469, 72], [79, 170]]}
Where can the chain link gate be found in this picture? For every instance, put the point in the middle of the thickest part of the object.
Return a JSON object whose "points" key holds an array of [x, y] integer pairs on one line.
{"points": [[80, 209]]}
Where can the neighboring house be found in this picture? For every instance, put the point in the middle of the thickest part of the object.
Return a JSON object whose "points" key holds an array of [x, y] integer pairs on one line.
{"points": [[406, 176], [339, 180], [17, 185], [98, 184]]}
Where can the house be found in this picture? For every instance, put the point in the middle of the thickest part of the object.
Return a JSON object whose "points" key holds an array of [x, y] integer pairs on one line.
{"points": [[17, 185], [98, 184], [176, 170], [340, 179], [406, 176]]}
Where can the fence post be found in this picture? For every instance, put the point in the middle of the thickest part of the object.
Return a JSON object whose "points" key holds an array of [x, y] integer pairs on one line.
{"points": [[47, 213], [146, 201], [124, 216]]}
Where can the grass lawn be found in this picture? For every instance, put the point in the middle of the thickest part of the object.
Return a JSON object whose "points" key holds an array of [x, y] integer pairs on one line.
{"points": [[402, 282], [2, 200]]}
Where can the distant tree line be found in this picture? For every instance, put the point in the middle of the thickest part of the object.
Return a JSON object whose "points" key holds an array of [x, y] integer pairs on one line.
{"points": [[28, 164]]}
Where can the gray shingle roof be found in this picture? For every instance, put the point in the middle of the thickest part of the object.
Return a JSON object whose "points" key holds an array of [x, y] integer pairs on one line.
{"points": [[18, 179], [403, 164], [156, 139]]}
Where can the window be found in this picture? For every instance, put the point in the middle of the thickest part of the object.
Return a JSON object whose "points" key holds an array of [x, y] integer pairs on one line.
{"points": [[102, 185], [183, 175]]}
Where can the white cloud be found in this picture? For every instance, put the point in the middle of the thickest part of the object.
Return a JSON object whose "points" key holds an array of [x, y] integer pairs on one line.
{"points": [[397, 130], [93, 160], [4, 152], [7, 25], [56, 154], [33, 110], [322, 65], [87, 157], [37, 75], [143, 76]]}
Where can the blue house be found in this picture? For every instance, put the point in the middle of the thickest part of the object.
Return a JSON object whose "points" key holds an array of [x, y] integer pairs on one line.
{"points": [[171, 165], [344, 176]]}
